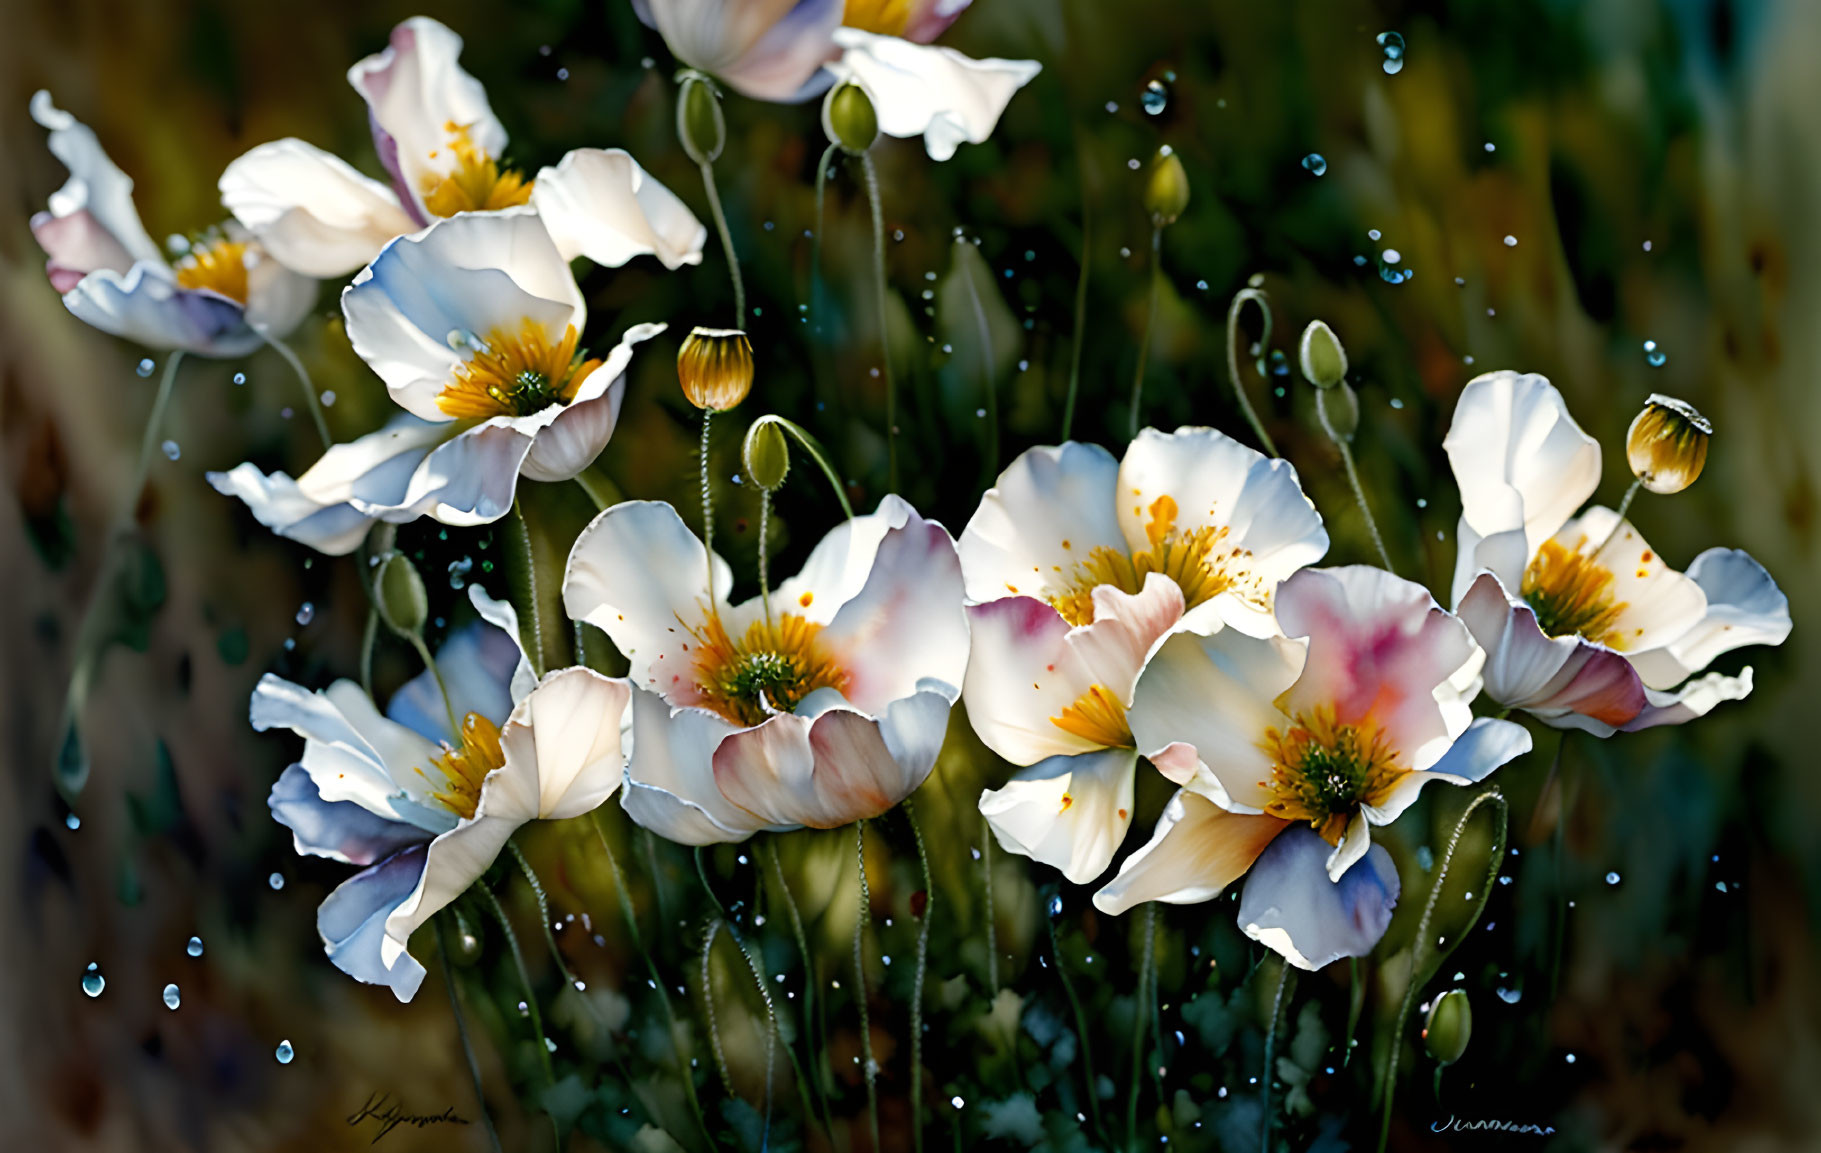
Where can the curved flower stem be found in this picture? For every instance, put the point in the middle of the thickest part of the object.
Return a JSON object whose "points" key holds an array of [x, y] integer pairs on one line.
{"points": [[1421, 968], [303, 378], [1255, 296], [72, 761], [885, 348], [1624, 507], [929, 904], [815, 244], [524, 586], [818, 454], [733, 259], [1346, 459], [1081, 322], [714, 1028], [757, 969], [707, 509], [866, 1033], [461, 1028], [603, 492], [1140, 1019], [764, 567], [543, 910], [1081, 1031], [1284, 982], [436, 674], [810, 979], [524, 977], [1150, 319]]}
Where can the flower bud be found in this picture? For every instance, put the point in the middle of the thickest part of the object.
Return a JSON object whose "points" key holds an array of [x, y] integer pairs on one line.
{"points": [[1450, 1025], [1667, 444], [849, 119], [766, 456], [699, 123], [1166, 194], [399, 595], [1324, 361], [1339, 409], [714, 367]]}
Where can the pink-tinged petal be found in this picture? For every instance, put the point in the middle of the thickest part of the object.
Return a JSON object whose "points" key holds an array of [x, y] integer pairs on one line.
{"points": [[936, 93], [340, 830], [1744, 607], [96, 186], [1209, 480], [765, 49], [1046, 513], [600, 204], [1202, 709], [148, 308], [1520, 460], [352, 923], [1548, 677], [1291, 906], [670, 780], [931, 18], [1697, 698], [570, 730], [1070, 813], [1197, 850], [638, 574], [311, 210], [76, 245], [1380, 651], [1485, 746], [840, 564]]}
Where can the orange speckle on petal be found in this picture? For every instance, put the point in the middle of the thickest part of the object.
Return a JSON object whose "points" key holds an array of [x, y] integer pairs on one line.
{"points": [[806, 598]]}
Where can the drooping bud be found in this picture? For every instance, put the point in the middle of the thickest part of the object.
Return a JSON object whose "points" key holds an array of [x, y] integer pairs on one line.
{"points": [[1324, 361], [1450, 1025], [1339, 408], [400, 597], [1667, 444], [766, 456], [714, 367], [1166, 194], [849, 119], [699, 123]]}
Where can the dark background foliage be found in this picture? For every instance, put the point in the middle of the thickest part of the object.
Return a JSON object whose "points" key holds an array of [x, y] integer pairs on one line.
{"points": [[1645, 978]]}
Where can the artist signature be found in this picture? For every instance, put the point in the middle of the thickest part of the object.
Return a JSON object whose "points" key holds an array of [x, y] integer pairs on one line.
{"points": [[381, 1108], [1456, 1125]]}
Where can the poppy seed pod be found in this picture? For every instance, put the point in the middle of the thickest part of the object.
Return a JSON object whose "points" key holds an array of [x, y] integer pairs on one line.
{"points": [[1166, 194], [399, 594], [766, 456], [699, 123], [1449, 1027], [849, 119], [714, 366], [1324, 361], [1667, 444]]}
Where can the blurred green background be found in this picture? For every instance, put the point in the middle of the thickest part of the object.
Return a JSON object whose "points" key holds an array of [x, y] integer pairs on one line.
{"points": [[1648, 983]]}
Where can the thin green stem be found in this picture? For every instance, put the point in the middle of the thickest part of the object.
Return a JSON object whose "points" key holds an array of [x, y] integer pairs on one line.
{"points": [[518, 534], [1150, 319], [866, 1033], [815, 244], [1141, 1019], [929, 906], [303, 379], [524, 977], [369, 638], [818, 454], [733, 259], [436, 674], [714, 1028], [1277, 1012], [461, 1029], [543, 910], [707, 508], [1081, 1030], [1346, 459], [1240, 299], [603, 492], [1421, 969], [1081, 322], [770, 848], [764, 568], [885, 350], [992, 930], [1356, 1003], [1619, 520], [755, 965]]}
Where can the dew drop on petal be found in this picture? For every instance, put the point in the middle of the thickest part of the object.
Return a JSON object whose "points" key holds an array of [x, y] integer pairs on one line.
{"points": [[172, 998], [1315, 164], [284, 1052]]}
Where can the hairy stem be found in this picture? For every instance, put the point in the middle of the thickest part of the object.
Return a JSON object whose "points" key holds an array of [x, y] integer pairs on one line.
{"points": [[929, 906], [1240, 299], [436, 674], [866, 1034], [524, 587], [1284, 980]]}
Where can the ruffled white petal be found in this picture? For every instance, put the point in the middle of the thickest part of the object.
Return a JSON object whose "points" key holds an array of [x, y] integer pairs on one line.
{"points": [[765, 49], [670, 780], [340, 830], [1552, 678], [600, 204], [1291, 906], [569, 729], [96, 186], [1487, 744], [1744, 607], [276, 502], [311, 210], [502, 616], [1048, 510], [1197, 850], [578, 432], [936, 93], [1070, 813], [841, 563], [1657, 604], [352, 923], [147, 307]]}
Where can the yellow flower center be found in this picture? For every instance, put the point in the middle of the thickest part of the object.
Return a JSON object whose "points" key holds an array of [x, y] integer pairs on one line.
{"points": [[475, 183], [1195, 559], [884, 17], [1322, 772], [516, 374], [465, 767], [1097, 715], [769, 669], [219, 266], [1573, 594]]}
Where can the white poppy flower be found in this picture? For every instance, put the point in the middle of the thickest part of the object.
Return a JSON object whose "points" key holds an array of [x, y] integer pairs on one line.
{"points": [[423, 810], [215, 301], [443, 149], [1584, 625], [936, 93], [474, 325], [1079, 567], [829, 708], [1288, 750]]}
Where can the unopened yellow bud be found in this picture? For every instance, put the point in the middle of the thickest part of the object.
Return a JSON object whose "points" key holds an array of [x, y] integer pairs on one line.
{"points": [[699, 123], [1167, 192], [766, 456], [1667, 444], [714, 366], [1324, 361], [849, 119], [1449, 1027]]}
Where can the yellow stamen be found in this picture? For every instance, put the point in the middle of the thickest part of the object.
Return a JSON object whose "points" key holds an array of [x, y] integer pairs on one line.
{"points": [[1573, 594], [1322, 772], [219, 266], [885, 17], [769, 669], [475, 183], [1194, 559], [1097, 715], [516, 375], [466, 767]]}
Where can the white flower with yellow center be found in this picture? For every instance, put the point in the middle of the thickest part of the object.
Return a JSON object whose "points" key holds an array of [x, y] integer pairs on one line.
{"points": [[1288, 749], [425, 810], [444, 151], [475, 326], [825, 706], [214, 301], [1584, 624], [1078, 566], [923, 90]]}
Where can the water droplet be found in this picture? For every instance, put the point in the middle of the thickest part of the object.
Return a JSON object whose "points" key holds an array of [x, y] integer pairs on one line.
{"points": [[172, 998], [524, 1010], [1155, 97], [1280, 364], [1570, 1058], [1391, 256], [194, 948], [1510, 996], [1510, 242], [1373, 233], [1612, 878], [581, 987], [72, 822], [240, 378], [1112, 106], [1315, 164], [92, 981], [172, 450], [306, 613], [957, 1102], [1056, 905], [1655, 356], [1491, 147], [549, 1044], [284, 1053], [145, 367], [1393, 45], [328, 398], [276, 880], [562, 73]]}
